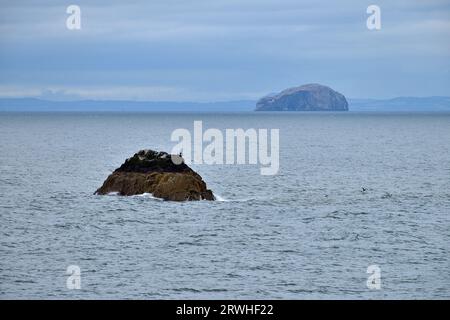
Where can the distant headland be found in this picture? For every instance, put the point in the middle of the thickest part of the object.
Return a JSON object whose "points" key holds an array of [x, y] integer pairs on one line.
{"points": [[399, 104]]}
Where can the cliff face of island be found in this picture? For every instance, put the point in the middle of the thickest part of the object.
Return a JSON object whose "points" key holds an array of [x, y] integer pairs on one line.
{"points": [[309, 97], [154, 172]]}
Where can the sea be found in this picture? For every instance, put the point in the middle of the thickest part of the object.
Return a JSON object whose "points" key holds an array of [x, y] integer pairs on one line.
{"points": [[359, 209]]}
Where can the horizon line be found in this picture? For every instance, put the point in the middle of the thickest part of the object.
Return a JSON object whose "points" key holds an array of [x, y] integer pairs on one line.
{"points": [[201, 102]]}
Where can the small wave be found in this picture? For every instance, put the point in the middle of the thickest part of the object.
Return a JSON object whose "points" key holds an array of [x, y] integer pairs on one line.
{"points": [[222, 199], [386, 195], [142, 195], [186, 289], [148, 195], [219, 198]]}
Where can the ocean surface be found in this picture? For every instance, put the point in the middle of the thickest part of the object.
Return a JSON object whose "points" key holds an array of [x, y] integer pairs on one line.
{"points": [[309, 232]]}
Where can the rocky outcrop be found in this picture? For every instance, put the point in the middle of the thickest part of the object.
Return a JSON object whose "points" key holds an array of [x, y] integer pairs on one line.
{"points": [[309, 97], [154, 172]]}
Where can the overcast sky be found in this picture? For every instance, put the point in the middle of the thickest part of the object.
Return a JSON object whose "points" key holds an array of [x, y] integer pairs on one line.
{"points": [[208, 50]]}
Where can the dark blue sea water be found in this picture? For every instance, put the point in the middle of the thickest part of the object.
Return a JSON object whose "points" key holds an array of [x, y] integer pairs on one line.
{"points": [[308, 232]]}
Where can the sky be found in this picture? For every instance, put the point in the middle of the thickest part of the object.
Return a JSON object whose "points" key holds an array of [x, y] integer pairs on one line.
{"points": [[219, 50]]}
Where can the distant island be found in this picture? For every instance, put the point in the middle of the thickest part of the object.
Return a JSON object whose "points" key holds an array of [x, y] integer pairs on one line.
{"points": [[399, 104], [308, 97]]}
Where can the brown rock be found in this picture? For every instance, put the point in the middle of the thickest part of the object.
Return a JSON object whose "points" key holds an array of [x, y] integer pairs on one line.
{"points": [[154, 172]]}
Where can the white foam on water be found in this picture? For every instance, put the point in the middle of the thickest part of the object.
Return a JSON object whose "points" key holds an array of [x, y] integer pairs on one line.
{"points": [[222, 199], [148, 195], [219, 198], [142, 195]]}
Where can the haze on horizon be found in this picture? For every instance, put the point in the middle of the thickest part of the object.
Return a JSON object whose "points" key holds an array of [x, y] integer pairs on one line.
{"points": [[172, 50]]}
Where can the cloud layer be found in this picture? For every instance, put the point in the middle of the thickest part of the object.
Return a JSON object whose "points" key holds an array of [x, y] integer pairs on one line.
{"points": [[222, 49]]}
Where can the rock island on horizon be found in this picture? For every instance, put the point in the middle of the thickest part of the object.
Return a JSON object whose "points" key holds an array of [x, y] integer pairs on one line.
{"points": [[308, 97]]}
